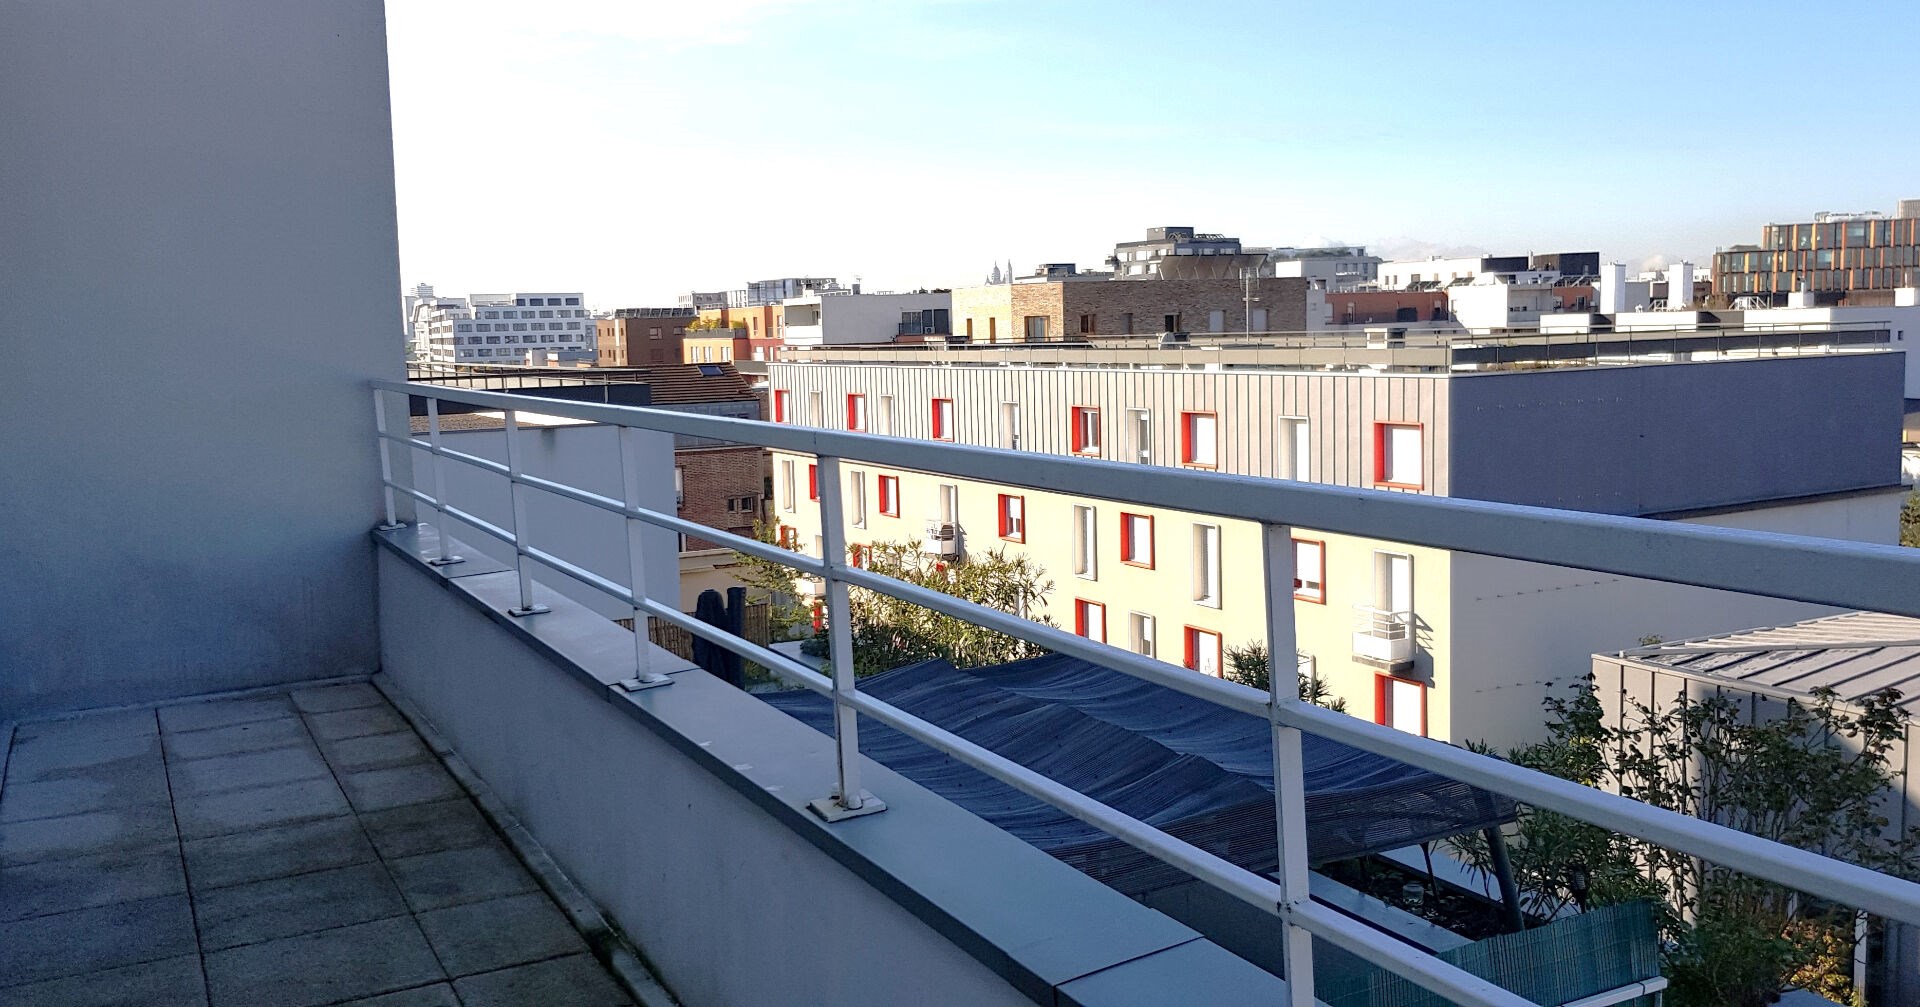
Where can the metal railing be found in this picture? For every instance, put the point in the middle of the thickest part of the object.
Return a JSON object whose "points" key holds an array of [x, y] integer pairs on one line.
{"points": [[1850, 575]]}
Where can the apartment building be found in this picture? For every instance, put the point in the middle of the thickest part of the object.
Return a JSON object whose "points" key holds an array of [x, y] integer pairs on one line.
{"points": [[1329, 267], [638, 337], [1839, 258], [1436, 272], [517, 328], [1067, 309], [840, 319], [1452, 645]]}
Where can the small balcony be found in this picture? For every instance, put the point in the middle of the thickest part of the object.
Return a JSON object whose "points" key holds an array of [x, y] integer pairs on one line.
{"points": [[942, 538], [1383, 639]]}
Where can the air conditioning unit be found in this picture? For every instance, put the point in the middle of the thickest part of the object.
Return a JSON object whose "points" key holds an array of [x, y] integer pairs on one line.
{"points": [[941, 539]]}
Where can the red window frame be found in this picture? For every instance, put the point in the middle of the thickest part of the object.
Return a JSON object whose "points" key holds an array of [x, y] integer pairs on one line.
{"points": [[857, 413], [1007, 531], [1190, 642], [940, 431], [788, 536], [857, 556], [1081, 607], [782, 405], [1127, 543], [1380, 455], [1080, 447], [1382, 682], [1186, 440], [890, 495], [813, 482], [1310, 599]]}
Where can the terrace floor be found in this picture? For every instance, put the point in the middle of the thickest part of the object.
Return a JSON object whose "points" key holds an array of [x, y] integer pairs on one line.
{"points": [[296, 848]]}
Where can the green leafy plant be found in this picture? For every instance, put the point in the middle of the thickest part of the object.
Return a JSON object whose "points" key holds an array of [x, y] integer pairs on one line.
{"points": [[1910, 521], [1247, 664]]}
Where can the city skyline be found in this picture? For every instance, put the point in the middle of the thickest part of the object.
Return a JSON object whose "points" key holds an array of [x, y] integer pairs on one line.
{"points": [[637, 155]]}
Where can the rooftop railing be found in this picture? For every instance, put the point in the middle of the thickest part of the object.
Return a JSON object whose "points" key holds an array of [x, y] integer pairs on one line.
{"points": [[1849, 575]]}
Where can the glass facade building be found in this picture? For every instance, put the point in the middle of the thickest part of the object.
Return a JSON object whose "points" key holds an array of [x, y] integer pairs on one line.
{"points": [[1830, 257]]}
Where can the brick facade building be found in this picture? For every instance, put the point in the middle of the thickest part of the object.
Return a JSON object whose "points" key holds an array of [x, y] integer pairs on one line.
{"points": [[1080, 309], [639, 337], [721, 487]]}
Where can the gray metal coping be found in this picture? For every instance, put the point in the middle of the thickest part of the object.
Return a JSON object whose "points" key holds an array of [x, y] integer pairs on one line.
{"points": [[1054, 934]]}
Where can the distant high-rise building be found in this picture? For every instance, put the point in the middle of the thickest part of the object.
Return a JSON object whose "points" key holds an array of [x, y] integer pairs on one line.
{"points": [[1836, 258], [517, 328]]}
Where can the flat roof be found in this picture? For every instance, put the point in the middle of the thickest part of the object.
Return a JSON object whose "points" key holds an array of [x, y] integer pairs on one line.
{"points": [[1855, 654]]}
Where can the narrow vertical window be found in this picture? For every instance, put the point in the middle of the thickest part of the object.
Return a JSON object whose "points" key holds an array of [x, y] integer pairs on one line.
{"points": [[857, 498], [1085, 555], [1199, 440], [857, 413], [786, 483], [782, 405], [1206, 565], [890, 496], [942, 419], [1400, 704], [883, 422], [1140, 633], [1085, 422], [1203, 651], [1294, 440], [813, 482], [1090, 619], [1136, 540], [1013, 517], [816, 413]]}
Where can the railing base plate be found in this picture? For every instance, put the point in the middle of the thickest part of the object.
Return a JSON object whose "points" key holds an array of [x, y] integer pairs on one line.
{"points": [[396, 526], [446, 560], [529, 610], [639, 682], [830, 808]]}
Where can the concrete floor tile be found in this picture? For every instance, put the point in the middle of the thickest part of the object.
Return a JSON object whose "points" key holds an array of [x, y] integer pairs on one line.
{"points": [[303, 903], [342, 724], [89, 940], [413, 829], [247, 769], [84, 835], [198, 716], [58, 886], [175, 982], [89, 727], [375, 751], [203, 815], [484, 936], [379, 957], [41, 760], [575, 981], [250, 737], [452, 877], [122, 783], [276, 852], [329, 698], [380, 789], [437, 995]]}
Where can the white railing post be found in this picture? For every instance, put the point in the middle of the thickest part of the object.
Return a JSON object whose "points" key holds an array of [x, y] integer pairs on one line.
{"points": [[1289, 783], [520, 528], [386, 462], [848, 799], [446, 557], [644, 677]]}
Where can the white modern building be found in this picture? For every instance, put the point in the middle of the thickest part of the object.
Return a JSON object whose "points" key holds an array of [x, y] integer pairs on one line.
{"points": [[518, 328], [1332, 267], [841, 319]]}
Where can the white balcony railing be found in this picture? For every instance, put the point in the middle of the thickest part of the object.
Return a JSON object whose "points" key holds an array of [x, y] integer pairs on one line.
{"points": [[1383, 638], [1843, 574]]}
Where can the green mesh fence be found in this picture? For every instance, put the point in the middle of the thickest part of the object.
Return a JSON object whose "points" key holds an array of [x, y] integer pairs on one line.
{"points": [[1570, 958]]}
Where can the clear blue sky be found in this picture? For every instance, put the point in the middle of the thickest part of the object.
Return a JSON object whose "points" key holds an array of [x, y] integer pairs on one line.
{"points": [[639, 150]]}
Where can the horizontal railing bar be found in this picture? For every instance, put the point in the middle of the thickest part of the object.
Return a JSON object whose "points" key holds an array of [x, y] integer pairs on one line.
{"points": [[1837, 881], [1181, 680], [1819, 571], [443, 451]]}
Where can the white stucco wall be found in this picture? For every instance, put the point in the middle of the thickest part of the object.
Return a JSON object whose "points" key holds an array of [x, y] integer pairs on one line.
{"points": [[187, 497]]}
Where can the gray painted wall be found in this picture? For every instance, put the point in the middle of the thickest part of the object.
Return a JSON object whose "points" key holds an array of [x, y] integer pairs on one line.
{"points": [[1658, 438], [198, 275]]}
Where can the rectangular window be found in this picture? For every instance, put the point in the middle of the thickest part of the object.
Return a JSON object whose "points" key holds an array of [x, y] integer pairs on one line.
{"points": [[1088, 325], [813, 482], [883, 422], [786, 483], [1171, 323], [1310, 571], [1295, 456], [816, 412], [1140, 633], [1086, 431], [1085, 538], [1013, 518], [969, 330], [1036, 328], [1010, 425], [1216, 320], [1400, 704], [890, 496], [1136, 540], [1090, 619], [857, 556], [1206, 565], [679, 486], [1126, 323], [782, 405], [857, 498], [949, 503], [943, 419], [857, 413], [993, 330], [1203, 651], [789, 537], [1199, 440], [1397, 455]]}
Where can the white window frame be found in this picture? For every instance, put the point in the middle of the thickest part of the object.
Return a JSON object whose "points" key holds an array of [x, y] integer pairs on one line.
{"points": [[1402, 462], [787, 493], [1010, 425], [1140, 435], [857, 498], [1141, 634], [816, 410], [1304, 589], [883, 420], [1293, 441], [1206, 565], [1196, 449], [1086, 542]]}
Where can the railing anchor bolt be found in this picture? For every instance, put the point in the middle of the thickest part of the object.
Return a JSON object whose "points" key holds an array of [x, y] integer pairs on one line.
{"points": [[832, 810], [526, 610], [637, 683]]}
